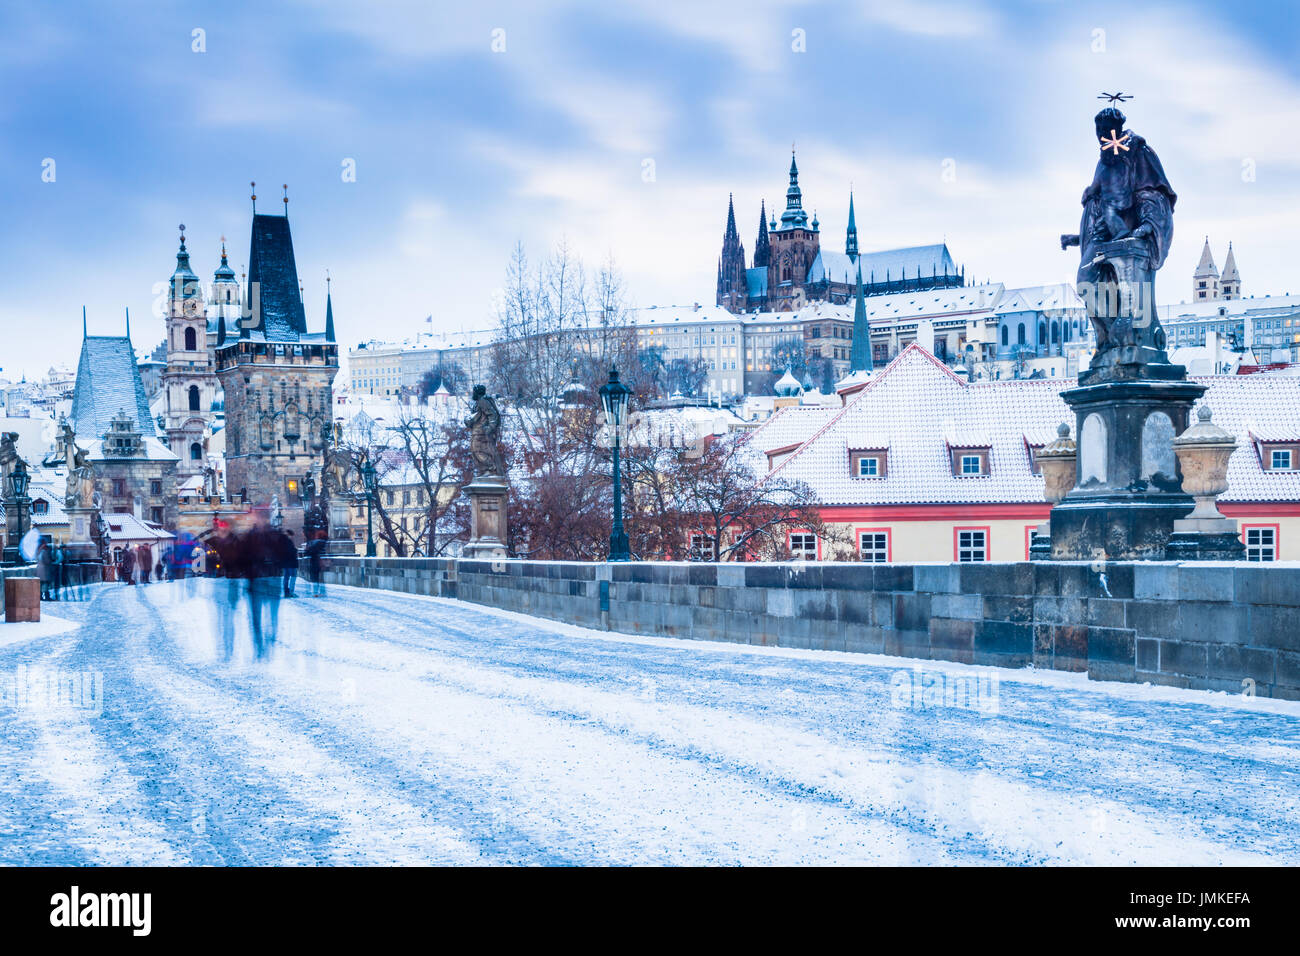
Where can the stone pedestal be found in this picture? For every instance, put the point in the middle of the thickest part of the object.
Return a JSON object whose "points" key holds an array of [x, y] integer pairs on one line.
{"points": [[22, 600], [80, 546], [487, 523], [339, 543], [1128, 491]]}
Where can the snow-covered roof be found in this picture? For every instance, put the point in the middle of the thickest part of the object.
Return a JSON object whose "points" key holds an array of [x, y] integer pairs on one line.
{"points": [[922, 411], [894, 264], [127, 527], [791, 425], [154, 450]]}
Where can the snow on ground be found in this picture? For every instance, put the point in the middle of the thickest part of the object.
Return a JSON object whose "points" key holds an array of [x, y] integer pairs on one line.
{"points": [[386, 728], [47, 626]]}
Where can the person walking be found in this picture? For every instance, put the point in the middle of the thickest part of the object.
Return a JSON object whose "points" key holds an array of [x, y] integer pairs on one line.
{"points": [[144, 563], [126, 565], [56, 572], [315, 548], [288, 554], [43, 569]]}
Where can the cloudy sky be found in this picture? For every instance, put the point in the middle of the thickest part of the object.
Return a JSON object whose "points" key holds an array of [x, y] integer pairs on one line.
{"points": [[622, 127]]}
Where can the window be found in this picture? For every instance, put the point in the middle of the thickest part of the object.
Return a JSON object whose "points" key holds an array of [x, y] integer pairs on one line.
{"points": [[196, 452], [1280, 460], [803, 546], [972, 544], [194, 398], [191, 342], [119, 486], [1006, 335], [156, 515], [868, 467], [1020, 334], [873, 546], [1261, 543], [40, 507], [971, 464], [155, 486], [701, 548]]}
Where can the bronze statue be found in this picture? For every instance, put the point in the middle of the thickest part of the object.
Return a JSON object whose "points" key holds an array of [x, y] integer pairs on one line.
{"points": [[1124, 238], [485, 434]]}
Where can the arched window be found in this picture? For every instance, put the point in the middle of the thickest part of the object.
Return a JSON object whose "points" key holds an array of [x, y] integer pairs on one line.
{"points": [[191, 341], [1042, 333], [194, 392], [196, 452], [1006, 336], [1067, 331], [1020, 334], [1056, 332]]}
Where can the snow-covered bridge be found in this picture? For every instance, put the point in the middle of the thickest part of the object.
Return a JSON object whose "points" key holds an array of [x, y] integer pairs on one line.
{"points": [[384, 728]]}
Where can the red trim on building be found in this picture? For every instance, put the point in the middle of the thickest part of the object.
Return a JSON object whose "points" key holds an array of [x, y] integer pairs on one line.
{"points": [[1277, 537], [1260, 509], [889, 540], [1035, 511], [988, 541]]}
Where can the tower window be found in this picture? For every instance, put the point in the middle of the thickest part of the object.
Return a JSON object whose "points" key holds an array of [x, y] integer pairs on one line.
{"points": [[191, 341], [194, 392], [196, 452]]}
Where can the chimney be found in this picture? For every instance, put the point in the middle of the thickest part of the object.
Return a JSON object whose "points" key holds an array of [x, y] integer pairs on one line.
{"points": [[925, 335]]}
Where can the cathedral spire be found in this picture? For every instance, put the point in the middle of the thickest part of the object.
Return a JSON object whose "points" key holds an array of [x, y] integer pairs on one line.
{"points": [[731, 232], [329, 310], [860, 356], [794, 215], [762, 246], [851, 240]]}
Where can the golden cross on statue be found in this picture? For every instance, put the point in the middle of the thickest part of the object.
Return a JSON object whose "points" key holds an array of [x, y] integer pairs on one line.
{"points": [[1115, 143]]}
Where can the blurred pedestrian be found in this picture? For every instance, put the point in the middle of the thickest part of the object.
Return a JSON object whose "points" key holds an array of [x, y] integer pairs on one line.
{"points": [[144, 563], [288, 553], [315, 548], [126, 565], [44, 569], [56, 572]]}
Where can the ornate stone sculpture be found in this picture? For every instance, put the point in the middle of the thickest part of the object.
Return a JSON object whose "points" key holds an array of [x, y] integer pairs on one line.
{"points": [[1124, 237], [1132, 400], [485, 435]]}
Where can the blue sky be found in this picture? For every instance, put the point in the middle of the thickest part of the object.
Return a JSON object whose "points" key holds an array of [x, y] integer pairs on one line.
{"points": [[460, 151]]}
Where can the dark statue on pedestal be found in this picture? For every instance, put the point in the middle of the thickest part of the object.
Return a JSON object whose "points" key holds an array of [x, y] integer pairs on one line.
{"points": [[485, 435], [1132, 401], [487, 490], [1128, 224]]}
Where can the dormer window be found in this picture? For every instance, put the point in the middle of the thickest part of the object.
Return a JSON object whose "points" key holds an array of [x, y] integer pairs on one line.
{"points": [[1281, 459], [969, 462], [868, 462]]}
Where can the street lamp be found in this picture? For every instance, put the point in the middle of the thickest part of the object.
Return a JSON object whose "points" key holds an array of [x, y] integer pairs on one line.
{"points": [[368, 478], [18, 479], [614, 396]]}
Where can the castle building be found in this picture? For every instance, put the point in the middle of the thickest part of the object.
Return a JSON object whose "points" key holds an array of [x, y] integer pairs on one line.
{"points": [[1208, 285], [275, 375], [188, 382], [790, 267]]}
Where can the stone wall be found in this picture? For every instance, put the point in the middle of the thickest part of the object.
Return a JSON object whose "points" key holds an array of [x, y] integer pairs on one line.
{"points": [[1229, 627]]}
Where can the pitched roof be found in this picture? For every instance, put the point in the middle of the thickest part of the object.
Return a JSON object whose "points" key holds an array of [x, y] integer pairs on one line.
{"points": [[921, 410], [894, 263], [274, 273], [1206, 267], [108, 381]]}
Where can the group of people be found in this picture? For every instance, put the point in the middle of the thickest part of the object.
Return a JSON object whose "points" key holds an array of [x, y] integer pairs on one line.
{"points": [[137, 566], [260, 563], [62, 576]]}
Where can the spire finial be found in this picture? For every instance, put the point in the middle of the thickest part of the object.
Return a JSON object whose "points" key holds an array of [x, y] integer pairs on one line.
{"points": [[128, 324], [182, 229], [285, 187], [253, 185], [83, 321]]}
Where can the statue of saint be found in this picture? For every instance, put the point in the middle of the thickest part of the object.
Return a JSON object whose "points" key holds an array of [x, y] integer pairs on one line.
{"points": [[485, 434], [1124, 238]]}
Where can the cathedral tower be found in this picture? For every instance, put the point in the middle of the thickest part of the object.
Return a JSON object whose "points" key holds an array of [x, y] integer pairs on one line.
{"points": [[795, 244], [733, 289], [1230, 281]]}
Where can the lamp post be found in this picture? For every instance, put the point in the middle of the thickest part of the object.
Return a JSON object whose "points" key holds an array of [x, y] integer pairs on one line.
{"points": [[18, 479], [614, 397], [368, 478]]}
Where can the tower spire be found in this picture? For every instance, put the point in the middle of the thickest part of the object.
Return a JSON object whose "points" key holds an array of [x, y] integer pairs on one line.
{"points": [[851, 239], [860, 356], [83, 321], [762, 246], [253, 187], [285, 187], [794, 215], [329, 310]]}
